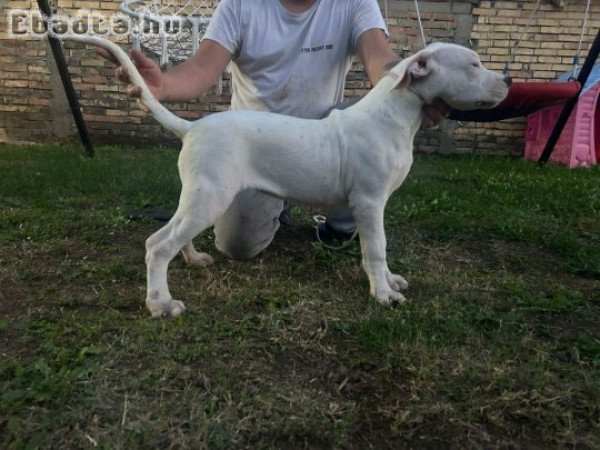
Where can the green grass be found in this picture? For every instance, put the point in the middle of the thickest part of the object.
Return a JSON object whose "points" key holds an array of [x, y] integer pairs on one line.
{"points": [[498, 346]]}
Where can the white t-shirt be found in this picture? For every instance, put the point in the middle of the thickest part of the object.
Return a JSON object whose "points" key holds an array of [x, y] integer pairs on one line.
{"points": [[293, 64]]}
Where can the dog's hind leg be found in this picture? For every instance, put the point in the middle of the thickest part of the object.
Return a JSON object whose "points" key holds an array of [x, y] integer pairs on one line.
{"points": [[161, 248], [195, 258], [198, 209]]}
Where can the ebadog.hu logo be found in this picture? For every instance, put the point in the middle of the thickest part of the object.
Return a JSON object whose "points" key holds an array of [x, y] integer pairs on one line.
{"points": [[28, 23]]}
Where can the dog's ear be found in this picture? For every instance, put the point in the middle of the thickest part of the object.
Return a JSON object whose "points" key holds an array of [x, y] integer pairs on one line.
{"points": [[413, 68]]}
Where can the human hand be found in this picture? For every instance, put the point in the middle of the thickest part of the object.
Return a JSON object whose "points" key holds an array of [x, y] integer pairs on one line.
{"points": [[149, 70], [434, 114]]}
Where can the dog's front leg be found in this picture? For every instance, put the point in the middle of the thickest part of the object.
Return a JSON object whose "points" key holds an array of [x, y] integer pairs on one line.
{"points": [[384, 284]]}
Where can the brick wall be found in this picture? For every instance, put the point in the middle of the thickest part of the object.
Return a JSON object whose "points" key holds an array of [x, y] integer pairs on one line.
{"points": [[34, 108], [545, 51]]}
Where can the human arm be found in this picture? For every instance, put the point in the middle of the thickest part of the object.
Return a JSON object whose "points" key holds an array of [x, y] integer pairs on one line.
{"points": [[375, 53], [377, 57], [198, 74], [183, 82]]}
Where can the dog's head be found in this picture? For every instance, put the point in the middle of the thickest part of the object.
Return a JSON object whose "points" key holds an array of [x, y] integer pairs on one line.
{"points": [[453, 74]]}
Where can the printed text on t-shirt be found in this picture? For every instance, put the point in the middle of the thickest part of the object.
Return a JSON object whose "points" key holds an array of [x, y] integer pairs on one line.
{"points": [[318, 48]]}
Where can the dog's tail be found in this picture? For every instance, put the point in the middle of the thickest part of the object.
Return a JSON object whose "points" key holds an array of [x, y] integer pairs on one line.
{"points": [[165, 117]]}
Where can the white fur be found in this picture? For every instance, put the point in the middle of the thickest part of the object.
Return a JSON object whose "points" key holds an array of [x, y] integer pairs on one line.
{"points": [[354, 157]]}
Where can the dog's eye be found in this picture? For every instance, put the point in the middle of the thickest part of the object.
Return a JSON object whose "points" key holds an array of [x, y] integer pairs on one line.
{"points": [[475, 64]]}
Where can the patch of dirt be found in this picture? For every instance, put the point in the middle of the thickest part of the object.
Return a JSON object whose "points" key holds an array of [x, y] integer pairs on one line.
{"points": [[35, 276]]}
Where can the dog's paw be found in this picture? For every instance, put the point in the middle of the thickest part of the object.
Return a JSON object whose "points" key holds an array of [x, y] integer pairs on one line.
{"points": [[195, 258], [199, 259], [396, 282], [389, 297], [168, 308]]}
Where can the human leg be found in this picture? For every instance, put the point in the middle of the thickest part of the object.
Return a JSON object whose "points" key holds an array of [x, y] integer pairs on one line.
{"points": [[249, 224]]}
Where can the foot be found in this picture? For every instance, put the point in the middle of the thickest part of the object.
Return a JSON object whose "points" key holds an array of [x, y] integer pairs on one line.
{"points": [[164, 308], [396, 282], [198, 259], [389, 297], [329, 236]]}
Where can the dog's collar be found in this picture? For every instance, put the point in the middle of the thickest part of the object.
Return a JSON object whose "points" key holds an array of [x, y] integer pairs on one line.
{"points": [[417, 93]]}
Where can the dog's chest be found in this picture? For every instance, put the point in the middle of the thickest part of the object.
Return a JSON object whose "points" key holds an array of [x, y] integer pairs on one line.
{"points": [[399, 173]]}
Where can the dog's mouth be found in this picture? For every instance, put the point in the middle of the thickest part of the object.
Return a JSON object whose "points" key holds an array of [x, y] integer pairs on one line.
{"points": [[480, 104], [488, 102]]}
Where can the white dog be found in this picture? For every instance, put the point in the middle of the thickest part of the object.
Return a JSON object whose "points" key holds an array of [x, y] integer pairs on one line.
{"points": [[355, 157]]}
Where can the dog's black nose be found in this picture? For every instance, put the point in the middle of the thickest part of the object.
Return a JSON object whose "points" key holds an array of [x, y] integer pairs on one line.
{"points": [[508, 81]]}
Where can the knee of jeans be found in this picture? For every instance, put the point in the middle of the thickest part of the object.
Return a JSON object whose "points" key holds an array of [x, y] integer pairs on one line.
{"points": [[237, 251]]}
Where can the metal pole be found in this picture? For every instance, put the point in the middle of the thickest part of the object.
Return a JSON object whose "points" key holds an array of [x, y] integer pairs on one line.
{"points": [[571, 103], [68, 84]]}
